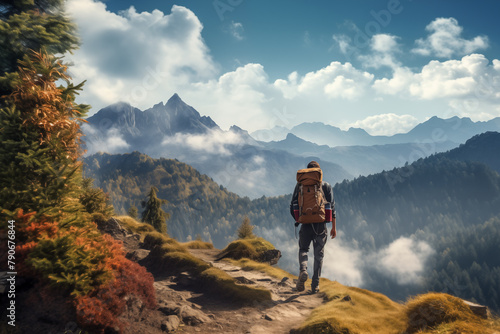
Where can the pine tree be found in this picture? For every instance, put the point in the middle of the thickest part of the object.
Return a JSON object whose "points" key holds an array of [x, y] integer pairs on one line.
{"points": [[31, 25], [95, 200], [40, 139], [133, 212], [245, 231], [153, 213]]}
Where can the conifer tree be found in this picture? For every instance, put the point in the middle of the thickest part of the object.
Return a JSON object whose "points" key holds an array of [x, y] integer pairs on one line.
{"points": [[94, 200], [133, 212], [40, 136], [31, 25], [245, 231], [153, 213]]}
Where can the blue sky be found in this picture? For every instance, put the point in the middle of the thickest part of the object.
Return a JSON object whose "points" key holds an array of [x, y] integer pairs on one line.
{"points": [[380, 65]]}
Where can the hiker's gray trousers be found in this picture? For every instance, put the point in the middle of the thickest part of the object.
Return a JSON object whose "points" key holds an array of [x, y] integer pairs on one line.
{"points": [[318, 234]]}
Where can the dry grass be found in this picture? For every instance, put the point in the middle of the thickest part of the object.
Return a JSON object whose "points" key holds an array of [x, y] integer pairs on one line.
{"points": [[133, 226], [219, 281], [197, 244], [246, 248], [444, 314], [353, 310], [370, 312], [250, 265]]}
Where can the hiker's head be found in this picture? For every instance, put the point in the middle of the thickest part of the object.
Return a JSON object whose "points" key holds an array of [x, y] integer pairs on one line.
{"points": [[313, 164]]}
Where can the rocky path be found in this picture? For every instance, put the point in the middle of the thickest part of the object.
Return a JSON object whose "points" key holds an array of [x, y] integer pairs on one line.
{"points": [[287, 310], [184, 308]]}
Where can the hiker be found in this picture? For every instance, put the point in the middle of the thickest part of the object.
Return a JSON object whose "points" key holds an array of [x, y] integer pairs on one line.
{"points": [[312, 206]]}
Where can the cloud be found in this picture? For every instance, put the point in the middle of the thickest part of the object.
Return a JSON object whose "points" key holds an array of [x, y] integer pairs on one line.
{"points": [[144, 57], [344, 43], [469, 85], [404, 259], [341, 262], [213, 142], [444, 40], [386, 124], [336, 80], [383, 47], [111, 141], [134, 56], [236, 30]]}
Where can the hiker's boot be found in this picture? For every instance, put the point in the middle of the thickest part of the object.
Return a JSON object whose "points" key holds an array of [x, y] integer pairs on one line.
{"points": [[301, 281], [314, 289]]}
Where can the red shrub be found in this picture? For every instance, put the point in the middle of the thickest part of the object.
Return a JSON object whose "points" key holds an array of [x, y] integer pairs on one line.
{"points": [[102, 307]]}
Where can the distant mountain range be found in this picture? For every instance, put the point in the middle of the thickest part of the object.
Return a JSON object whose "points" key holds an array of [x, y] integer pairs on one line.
{"points": [[362, 160], [435, 129], [255, 168]]}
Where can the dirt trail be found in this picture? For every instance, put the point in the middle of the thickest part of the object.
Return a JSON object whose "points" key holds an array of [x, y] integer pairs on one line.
{"points": [[287, 310]]}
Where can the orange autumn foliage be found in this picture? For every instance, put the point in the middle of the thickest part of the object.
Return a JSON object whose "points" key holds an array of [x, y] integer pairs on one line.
{"points": [[50, 109]]}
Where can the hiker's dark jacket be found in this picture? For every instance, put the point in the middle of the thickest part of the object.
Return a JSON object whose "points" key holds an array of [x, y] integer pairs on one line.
{"points": [[327, 190]]}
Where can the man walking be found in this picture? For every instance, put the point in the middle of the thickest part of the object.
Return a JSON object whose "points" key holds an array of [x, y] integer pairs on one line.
{"points": [[312, 206]]}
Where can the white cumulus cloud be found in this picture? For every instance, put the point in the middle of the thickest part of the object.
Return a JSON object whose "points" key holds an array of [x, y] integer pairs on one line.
{"points": [[383, 47], [404, 259], [214, 141], [445, 40], [386, 124], [136, 57]]}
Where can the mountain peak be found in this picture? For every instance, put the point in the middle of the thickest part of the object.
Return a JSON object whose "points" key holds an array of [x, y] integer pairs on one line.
{"points": [[175, 99]]}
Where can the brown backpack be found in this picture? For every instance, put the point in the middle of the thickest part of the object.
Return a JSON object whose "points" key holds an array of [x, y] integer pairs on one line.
{"points": [[311, 197]]}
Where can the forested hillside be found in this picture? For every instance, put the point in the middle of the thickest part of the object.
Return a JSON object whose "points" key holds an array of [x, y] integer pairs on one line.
{"points": [[197, 205], [467, 264]]}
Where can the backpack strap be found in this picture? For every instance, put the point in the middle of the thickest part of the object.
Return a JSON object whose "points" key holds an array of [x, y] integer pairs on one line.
{"points": [[301, 198]]}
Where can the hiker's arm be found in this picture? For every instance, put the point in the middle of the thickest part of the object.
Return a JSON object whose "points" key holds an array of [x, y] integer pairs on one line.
{"points": [[333, 232], [328, 191]]}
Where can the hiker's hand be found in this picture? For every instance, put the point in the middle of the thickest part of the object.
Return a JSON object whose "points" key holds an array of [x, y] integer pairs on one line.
{"points": [[333, 232]]}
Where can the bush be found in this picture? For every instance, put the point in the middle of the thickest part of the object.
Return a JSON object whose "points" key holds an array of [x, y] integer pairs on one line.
{"points": [[84, 265], [245, 231]]}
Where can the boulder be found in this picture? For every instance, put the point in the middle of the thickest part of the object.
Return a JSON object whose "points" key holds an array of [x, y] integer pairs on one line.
{"points": [[191, 316], [270, 256], [168, 308], [170, 324], [477, 309], [112, 227]]}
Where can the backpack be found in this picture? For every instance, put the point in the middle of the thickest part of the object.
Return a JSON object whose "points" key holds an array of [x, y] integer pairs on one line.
{"points": [[311, 197]]}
